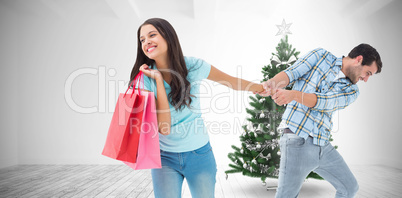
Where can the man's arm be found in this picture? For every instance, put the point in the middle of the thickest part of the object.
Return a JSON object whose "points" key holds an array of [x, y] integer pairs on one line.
{"points": [[283, 96], [335, 100], [279, 81], [323, 102], [294, 72]]}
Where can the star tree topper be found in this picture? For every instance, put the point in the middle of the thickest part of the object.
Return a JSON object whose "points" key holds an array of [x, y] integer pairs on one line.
{"points": [[283, 29]]}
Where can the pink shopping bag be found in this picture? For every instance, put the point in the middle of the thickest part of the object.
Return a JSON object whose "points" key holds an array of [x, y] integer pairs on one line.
{"points": [[148, 156], [124, 131]]}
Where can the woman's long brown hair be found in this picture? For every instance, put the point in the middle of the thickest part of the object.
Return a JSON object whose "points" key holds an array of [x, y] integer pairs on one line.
{"points": [[180, 86]]}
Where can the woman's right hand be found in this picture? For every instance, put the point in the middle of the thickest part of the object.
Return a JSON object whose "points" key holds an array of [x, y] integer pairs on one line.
{"points": [[151, 73], [162, 103]]}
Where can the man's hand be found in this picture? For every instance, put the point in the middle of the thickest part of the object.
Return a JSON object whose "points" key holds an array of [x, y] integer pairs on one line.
{"points": [[283, 96], [269, 89]]}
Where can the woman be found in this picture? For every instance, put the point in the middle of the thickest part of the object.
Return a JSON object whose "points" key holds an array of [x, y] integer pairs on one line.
{"points": [[184, 142]]}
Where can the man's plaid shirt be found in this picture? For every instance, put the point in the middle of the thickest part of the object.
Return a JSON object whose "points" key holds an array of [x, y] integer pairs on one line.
{"points": [[315, 73]]}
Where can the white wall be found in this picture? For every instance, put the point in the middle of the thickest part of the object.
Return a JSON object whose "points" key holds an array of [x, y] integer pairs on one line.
{"points": [[373, 121], [57, 40], [9, 90]]}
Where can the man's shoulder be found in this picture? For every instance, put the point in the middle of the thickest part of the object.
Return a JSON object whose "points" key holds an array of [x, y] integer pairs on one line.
{"points": [[325, 55], [319, 50], [322, 52]]}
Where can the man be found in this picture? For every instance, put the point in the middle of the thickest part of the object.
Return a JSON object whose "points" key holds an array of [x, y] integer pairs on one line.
{"points": [[322, 84]]}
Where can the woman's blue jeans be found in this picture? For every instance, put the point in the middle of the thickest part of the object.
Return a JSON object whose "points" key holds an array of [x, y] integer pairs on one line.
{"points": [[300, 156], [198, 167]]}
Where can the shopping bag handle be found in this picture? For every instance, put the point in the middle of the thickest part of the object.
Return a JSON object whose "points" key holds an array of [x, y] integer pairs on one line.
{"points": [[139, 79]]}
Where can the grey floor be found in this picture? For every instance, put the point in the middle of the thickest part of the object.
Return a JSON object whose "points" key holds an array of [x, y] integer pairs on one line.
{"points": [[121, 181]]}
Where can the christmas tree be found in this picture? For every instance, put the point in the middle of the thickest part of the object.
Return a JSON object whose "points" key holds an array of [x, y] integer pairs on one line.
{"points": [[259, 154]]}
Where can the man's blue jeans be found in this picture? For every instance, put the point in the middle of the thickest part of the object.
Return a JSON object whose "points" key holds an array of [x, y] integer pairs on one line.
{"points": [[299, 157], [198, 167]]}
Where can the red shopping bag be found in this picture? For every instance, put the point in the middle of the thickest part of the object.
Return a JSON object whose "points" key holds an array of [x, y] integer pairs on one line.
{"points": [[148, 156], [124, 131]]}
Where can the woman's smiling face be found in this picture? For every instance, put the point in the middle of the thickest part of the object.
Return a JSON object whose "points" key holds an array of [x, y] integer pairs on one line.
{"points": [[153, 44]]}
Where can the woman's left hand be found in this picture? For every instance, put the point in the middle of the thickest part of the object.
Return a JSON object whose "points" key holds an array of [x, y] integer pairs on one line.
{"points": [[265, 93]]}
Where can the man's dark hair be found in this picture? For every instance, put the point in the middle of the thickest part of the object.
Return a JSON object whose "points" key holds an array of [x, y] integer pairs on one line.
{"points": [[369, 54]]}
